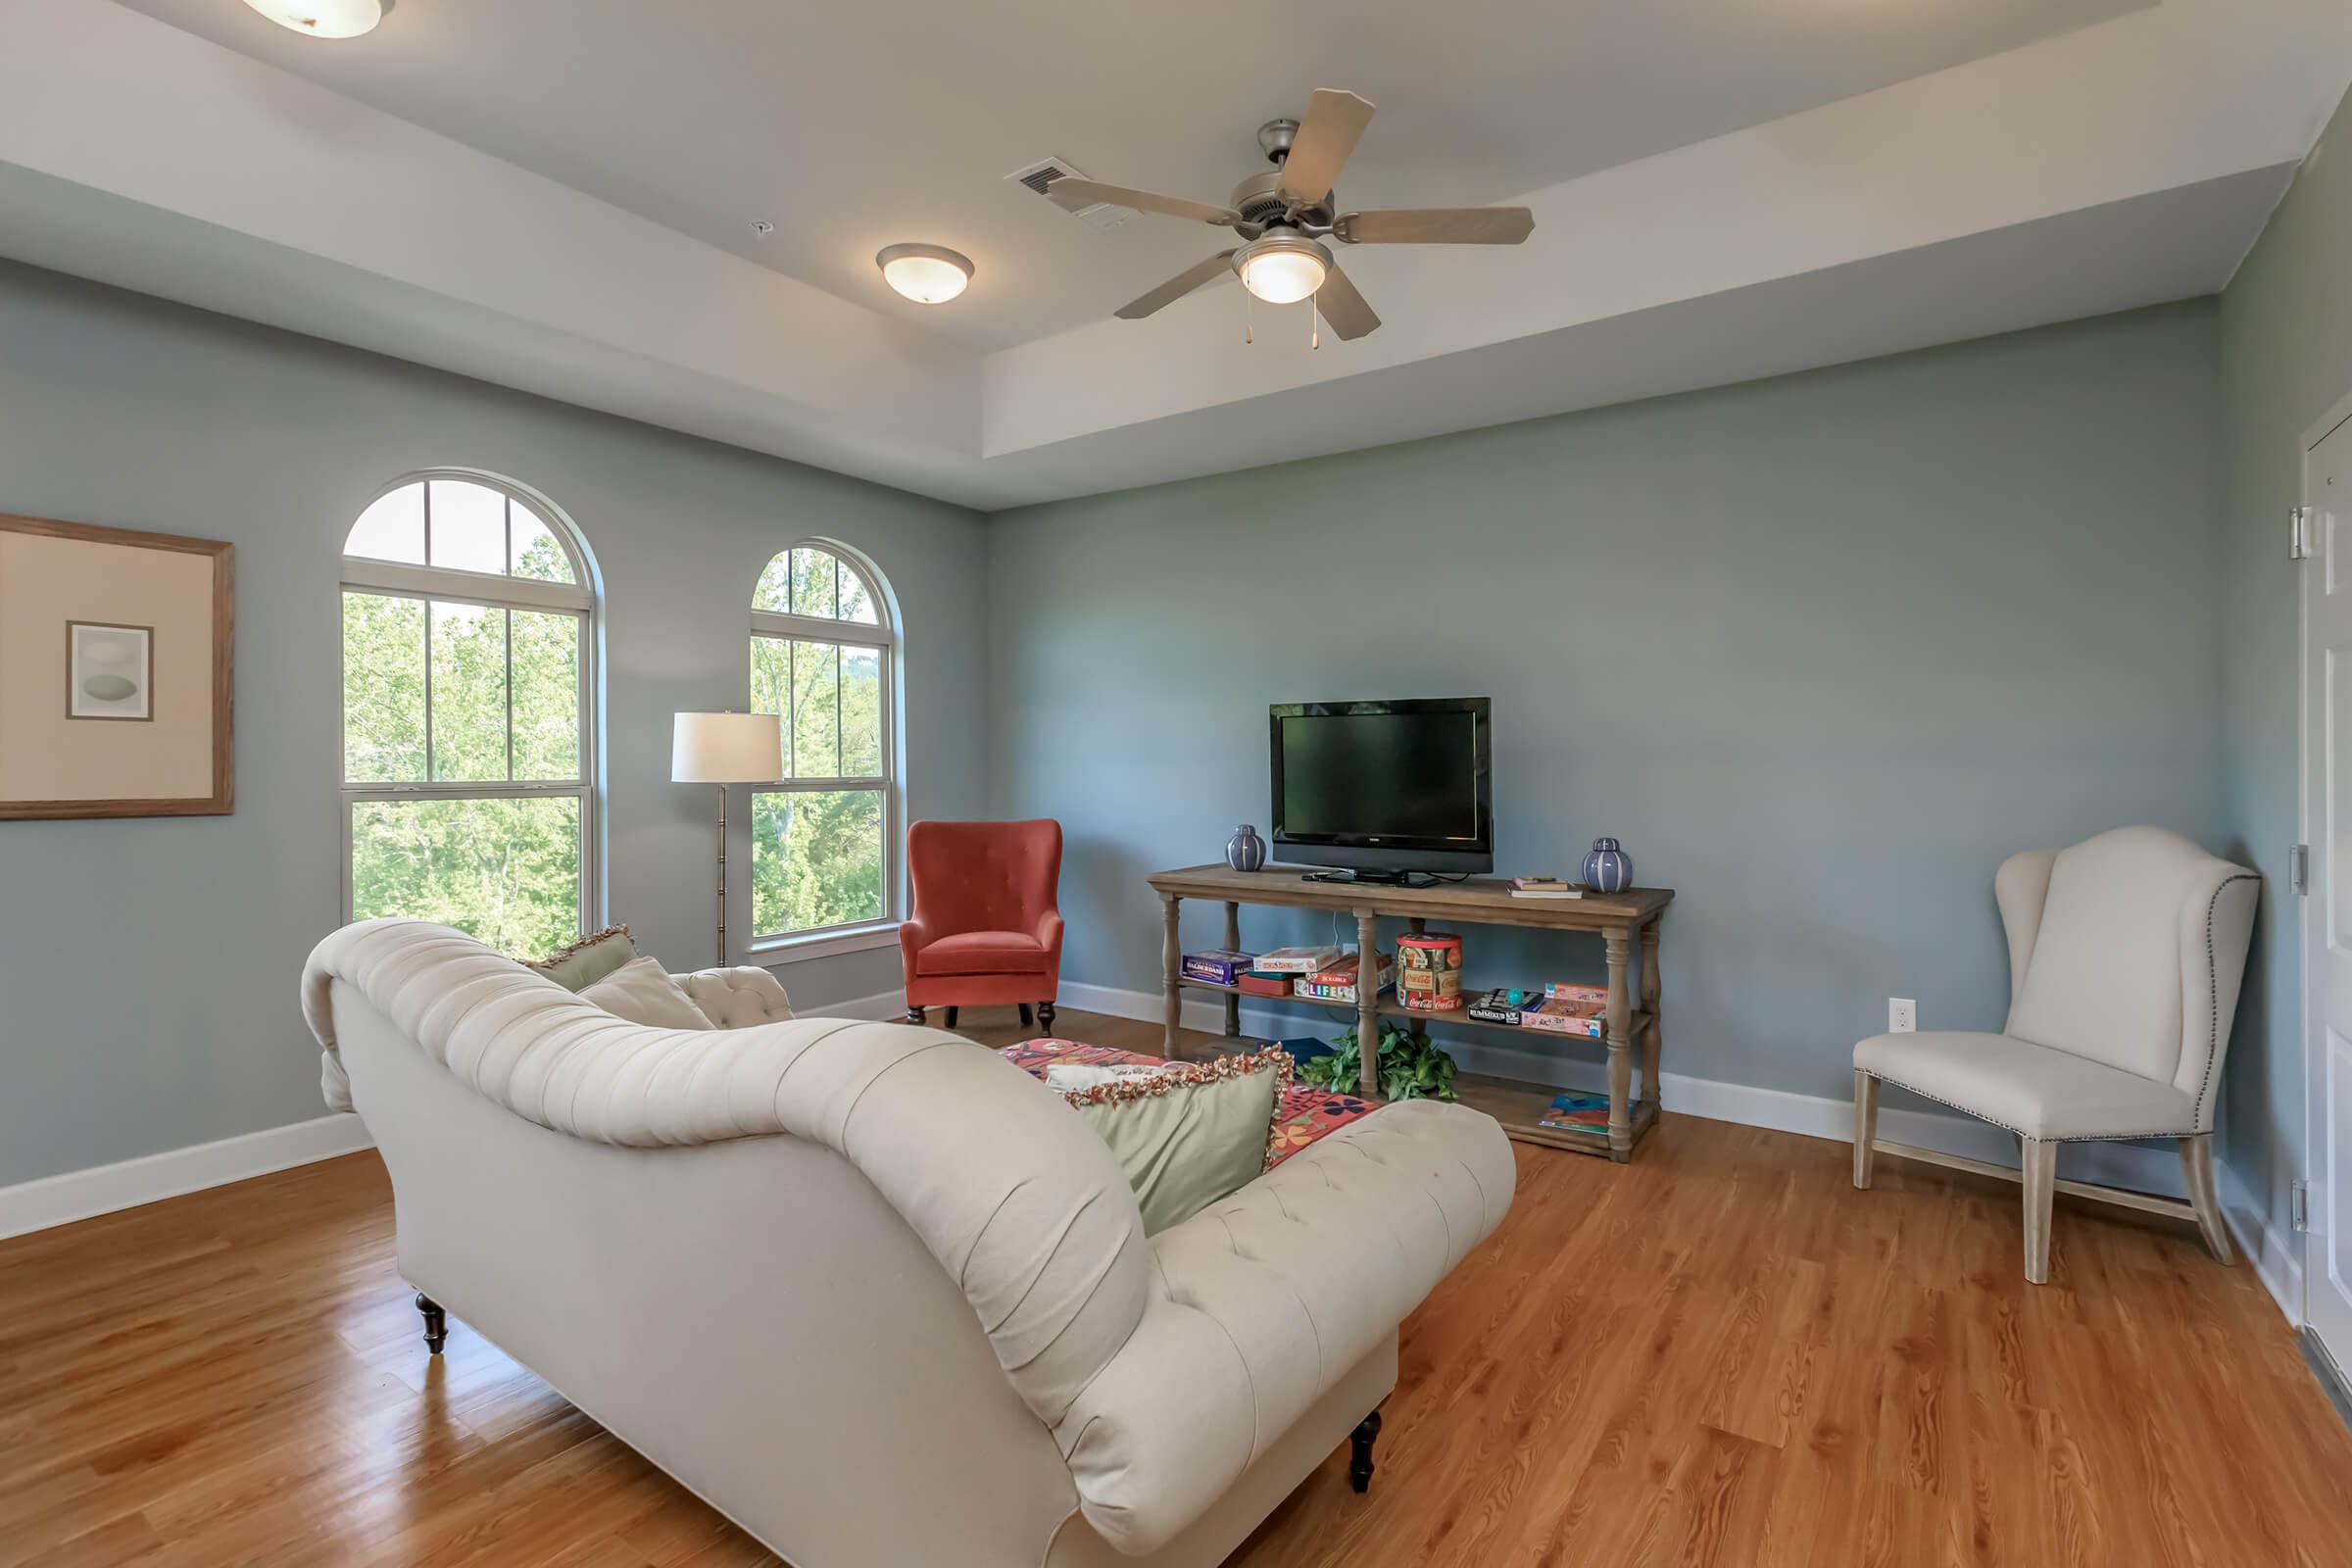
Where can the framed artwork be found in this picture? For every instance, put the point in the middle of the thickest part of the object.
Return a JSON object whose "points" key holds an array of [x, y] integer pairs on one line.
{"points": [[110, 672], [117, 688]]}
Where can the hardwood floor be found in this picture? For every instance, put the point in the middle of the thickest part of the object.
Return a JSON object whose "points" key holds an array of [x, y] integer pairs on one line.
{"points": [[1721, 1353]]}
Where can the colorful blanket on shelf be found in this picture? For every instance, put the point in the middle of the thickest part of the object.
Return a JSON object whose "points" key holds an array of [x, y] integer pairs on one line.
{"points": [[1305, 1114]]}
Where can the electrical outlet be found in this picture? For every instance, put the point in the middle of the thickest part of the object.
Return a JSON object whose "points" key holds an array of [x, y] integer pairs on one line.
{"points": [[1902, 1015]]}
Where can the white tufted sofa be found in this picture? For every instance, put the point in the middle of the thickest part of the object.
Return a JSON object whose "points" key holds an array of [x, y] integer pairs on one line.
{"points": [[869, 1289]]}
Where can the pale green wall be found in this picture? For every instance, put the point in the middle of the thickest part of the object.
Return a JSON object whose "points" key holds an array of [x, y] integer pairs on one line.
{"points": [[1821, 650], [2285, 358], [148, 968]]}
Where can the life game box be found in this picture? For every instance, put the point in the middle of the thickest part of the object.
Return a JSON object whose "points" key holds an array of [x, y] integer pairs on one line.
{"points": [[1219, 967], [1338, 982]]}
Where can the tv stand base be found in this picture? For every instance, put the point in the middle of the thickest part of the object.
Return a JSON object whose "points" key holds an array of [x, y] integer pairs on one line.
{"points": [[1379, 879]]}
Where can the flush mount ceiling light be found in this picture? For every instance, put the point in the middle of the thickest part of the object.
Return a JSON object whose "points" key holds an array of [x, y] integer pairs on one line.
{"points": [[1281, 269], [928, 275], [323, 18]]}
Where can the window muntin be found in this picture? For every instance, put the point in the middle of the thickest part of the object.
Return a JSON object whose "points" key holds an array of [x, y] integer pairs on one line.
{"points": [[467, 746], [823, 839]]}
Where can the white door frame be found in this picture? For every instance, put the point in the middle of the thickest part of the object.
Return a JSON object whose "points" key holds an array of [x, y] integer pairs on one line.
{"points": [[2313, 913]]}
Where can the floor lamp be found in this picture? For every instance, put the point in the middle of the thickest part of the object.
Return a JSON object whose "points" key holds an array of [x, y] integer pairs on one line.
{"points": [[724, 748]]}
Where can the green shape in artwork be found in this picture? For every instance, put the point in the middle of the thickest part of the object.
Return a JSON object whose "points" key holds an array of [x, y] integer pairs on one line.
{"points": [[109, 688]]}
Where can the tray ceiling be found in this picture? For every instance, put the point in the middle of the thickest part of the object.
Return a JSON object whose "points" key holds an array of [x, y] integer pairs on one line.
{"points": [[558, 195]]}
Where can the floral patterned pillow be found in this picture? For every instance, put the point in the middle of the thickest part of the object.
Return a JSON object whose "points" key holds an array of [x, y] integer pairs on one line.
{"points": [[1191, 1132]]}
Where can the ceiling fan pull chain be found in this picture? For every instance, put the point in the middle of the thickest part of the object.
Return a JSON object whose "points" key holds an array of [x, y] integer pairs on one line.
{"points": [[1314, 325], [1249, 317]]}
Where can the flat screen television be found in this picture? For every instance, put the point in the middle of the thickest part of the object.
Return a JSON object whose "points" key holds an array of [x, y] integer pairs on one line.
{"points": [[1384, 789]]}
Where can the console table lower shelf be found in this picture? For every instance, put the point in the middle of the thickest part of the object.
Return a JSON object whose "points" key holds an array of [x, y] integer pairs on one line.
{"points": [[1517, 1104], [1626, 923]]}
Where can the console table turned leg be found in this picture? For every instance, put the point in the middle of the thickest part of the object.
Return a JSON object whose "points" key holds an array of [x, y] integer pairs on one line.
{"points": [[1367, 1005], [1233, 944], [1621, 1051], [1654, 1037], [1171, 964]]}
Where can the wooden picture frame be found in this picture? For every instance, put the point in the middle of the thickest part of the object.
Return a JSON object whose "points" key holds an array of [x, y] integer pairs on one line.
{"points": [[185, 725]]}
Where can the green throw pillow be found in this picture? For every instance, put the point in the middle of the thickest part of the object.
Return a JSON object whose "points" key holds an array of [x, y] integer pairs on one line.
{"points": [[1192, 1133], [589, 960]]}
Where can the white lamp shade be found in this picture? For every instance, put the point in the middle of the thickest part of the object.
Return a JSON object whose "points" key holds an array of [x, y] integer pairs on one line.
{"points": [[726, 748]]}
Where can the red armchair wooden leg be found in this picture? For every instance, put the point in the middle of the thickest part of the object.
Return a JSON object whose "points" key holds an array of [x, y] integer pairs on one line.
{"points": [[1044, 1016], [914, 1015]]}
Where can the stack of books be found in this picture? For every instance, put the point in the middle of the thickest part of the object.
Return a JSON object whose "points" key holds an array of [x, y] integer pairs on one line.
{"points": [[1577, 1113], [1338, 982], [1544, 886], [1220, 966]]}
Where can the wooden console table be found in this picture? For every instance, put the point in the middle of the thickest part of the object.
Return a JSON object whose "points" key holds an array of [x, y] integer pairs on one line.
{"points": [[1619, 919]]}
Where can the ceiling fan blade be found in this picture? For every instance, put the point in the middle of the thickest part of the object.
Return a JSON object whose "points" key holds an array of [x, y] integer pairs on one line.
{"points": [[1175, 288], [1436, 225], [1333, 121], [1343, 307], [1074, 193]]}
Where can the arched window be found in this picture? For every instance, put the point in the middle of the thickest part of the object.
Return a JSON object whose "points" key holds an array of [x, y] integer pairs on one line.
{"points": [[468, 743], [823, 848]]}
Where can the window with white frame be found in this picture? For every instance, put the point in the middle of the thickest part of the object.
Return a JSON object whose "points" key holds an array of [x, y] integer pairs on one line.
{"points": [[822, 838], [468, 743]]}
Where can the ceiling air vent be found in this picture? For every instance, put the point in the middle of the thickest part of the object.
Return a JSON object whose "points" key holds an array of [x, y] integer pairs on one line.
{"points": [[1039, 176]]}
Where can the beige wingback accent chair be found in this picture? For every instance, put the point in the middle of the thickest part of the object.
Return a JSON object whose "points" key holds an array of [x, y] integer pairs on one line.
{"points": [[2125, 958]]}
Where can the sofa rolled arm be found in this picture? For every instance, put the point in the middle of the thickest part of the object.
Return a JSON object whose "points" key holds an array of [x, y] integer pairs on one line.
{"points": [[1019, 1200], [1267, 1299]]}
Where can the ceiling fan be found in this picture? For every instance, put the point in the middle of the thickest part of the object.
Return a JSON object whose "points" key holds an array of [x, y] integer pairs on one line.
{"points": [[1285, 215]]}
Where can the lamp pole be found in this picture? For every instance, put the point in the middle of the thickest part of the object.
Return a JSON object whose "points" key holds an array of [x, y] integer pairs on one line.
{"points": [[722, 876]]}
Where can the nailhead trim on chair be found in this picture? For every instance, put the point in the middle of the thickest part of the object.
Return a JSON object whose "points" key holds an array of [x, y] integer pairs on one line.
{"points": [[2213, 994], [2084, 1137]]}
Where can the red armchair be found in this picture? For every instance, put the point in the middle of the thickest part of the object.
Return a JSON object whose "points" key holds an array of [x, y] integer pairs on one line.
{"points": [[985, 929]]}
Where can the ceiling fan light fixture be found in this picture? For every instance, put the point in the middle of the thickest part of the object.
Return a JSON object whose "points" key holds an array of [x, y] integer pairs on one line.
{"points": [[322, 18], [1281, 269], [928, 275]]}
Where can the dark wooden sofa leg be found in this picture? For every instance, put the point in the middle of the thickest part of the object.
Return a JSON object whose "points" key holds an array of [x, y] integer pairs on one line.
{"points": [[1359, 1462], [951, 1017], [1044, 1016], [1026, 1021], [436, 1323], [914, 1015]]}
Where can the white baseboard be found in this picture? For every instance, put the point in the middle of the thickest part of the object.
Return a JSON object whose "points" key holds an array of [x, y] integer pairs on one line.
{"points": [[61, 1200], [2146, 1169], [883, 1006], [2277, 1259]]}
